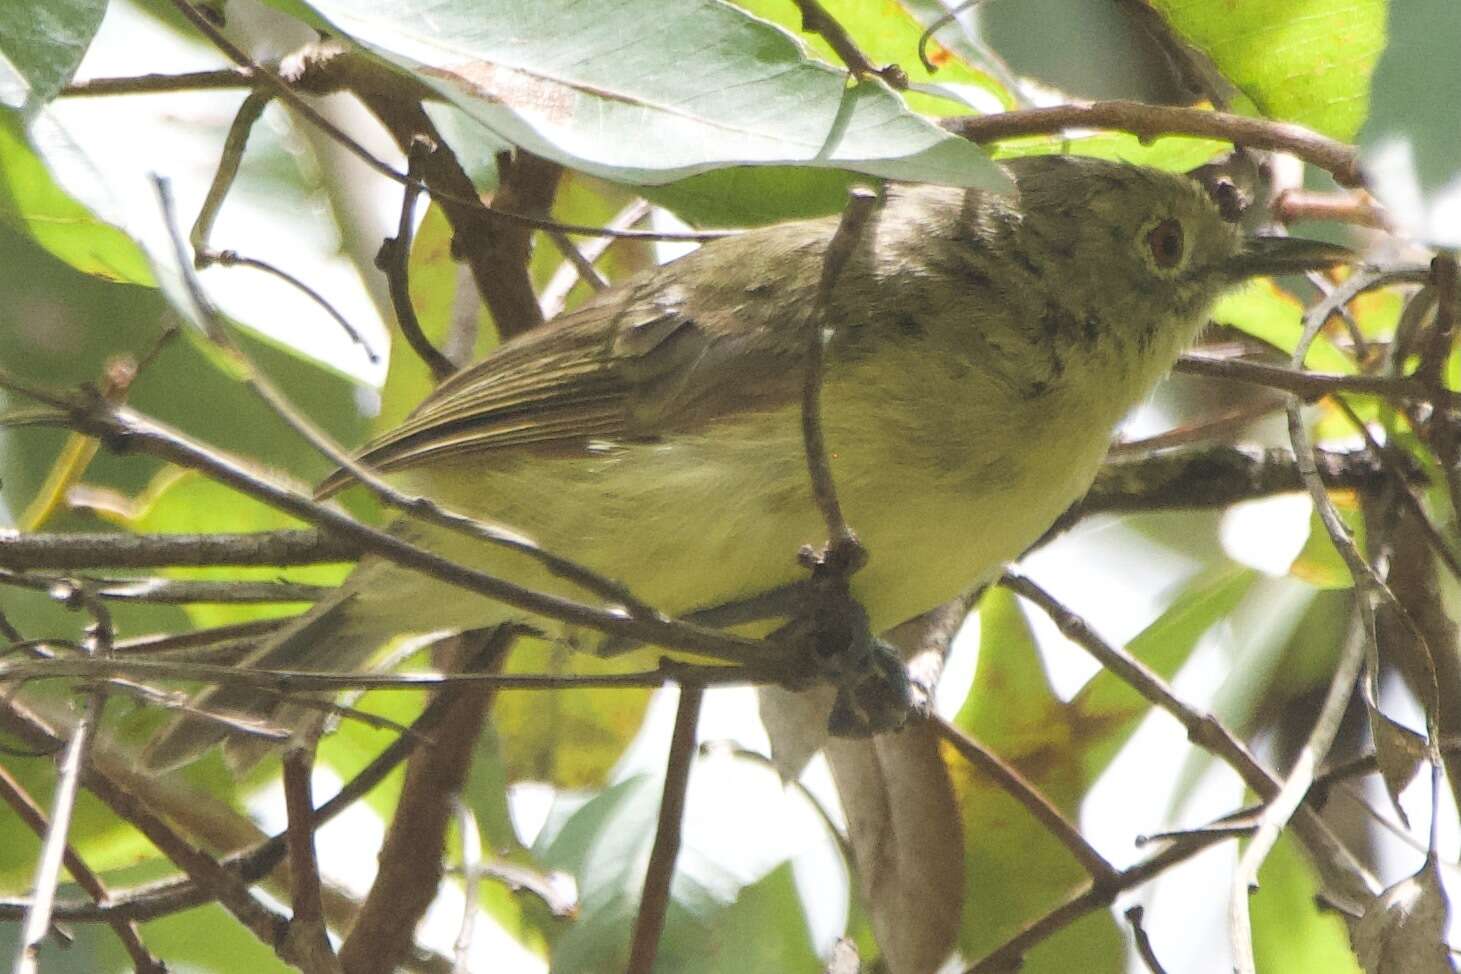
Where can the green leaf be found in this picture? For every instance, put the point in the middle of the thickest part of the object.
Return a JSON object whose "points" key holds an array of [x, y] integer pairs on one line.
{"points": [[33, 204], [43, 43], [1306, 61], [644, 92], [1290, 932], [1018, 870], [1267, 312]]}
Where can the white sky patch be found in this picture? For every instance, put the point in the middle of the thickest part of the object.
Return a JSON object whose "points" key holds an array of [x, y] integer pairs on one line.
{"points": [[1267, 533]]}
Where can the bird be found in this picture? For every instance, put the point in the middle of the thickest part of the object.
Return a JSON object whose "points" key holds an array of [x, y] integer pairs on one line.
{"points": [[982, 347]]}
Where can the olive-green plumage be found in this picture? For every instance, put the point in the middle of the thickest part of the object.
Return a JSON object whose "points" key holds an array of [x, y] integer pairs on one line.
{"points": [[984, 347]]}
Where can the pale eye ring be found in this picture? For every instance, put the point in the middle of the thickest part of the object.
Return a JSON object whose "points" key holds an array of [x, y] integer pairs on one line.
{"points": [[1165, 243]]}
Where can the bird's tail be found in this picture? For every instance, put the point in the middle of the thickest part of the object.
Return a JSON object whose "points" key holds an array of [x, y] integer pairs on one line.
{"points": [[327, 637]]}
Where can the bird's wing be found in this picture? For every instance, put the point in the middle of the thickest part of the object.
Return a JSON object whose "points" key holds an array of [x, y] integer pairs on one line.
{"points": [[688, 343]]}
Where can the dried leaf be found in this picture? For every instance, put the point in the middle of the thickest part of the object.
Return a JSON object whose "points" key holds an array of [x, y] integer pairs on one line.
{"points": [[907, 843], [1403, 929]]}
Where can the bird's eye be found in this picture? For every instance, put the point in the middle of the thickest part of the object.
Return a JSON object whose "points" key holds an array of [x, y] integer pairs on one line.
{"points": [[1165, 243]]}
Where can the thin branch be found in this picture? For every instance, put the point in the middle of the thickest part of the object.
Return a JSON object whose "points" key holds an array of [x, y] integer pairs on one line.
{"points": [[1015, 785], [1144, 948], [555, 293], [394, 260], [654, 901], [53, 850], [170, 591], [471, 837], [1279, 809], [816, 20], [1293, 205], [34, 817], [1312, 385], [668, 670], [1153, 121], [216, 79], [1090, 898], [855, 215], [308, 937], [68, 552], [1344, 875], [232, 258], [234, 144], [411, 856]]}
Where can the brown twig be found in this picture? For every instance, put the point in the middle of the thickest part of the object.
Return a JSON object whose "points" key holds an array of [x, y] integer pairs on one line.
{"points": [[229, 161], [68, 552], [554, 294], [1149, 122], [1015, 785], [169, 591], [217, 882], [1313, 385], [232, 258], [30, 812], [855, 215], [394, 260], [1345, 876], [1008, 955], [471, 836], [1144, 948], [307, 934], [654, 901], [301, 681], [1293, 205], [410, 858], [215, 79], [816, 20]]}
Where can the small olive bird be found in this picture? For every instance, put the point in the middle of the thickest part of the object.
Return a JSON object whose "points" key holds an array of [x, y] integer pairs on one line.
{"points": [[983, 348]]}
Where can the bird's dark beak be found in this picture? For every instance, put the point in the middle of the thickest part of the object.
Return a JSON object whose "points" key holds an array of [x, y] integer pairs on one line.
{"points": [[1263, 256]]}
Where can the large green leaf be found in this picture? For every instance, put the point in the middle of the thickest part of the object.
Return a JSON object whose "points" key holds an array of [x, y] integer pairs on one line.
{"points": [[1306, 61], [1018, 869], [43, 43], [32, 203], [647, 92]]}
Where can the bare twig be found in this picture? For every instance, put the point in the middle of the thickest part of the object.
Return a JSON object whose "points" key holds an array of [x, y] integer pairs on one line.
{"points": [[471, 837], [308, 938], [232, 258], [1015, 785], [1153, 121], [1008, 955], [1316, 384], [860, 206], [394, 260], [169, 591], [301, 681], [34, 816], [1143, 942], [410, 858], [1344, 875], [234, 144], [53, 850], [1293, 205], [68, 552], [555, 293], [816, 20], [654, 902], [216, 79]]}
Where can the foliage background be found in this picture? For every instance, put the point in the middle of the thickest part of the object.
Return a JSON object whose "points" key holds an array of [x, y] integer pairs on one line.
{"points": [[1245, 606]]}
